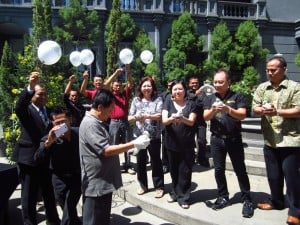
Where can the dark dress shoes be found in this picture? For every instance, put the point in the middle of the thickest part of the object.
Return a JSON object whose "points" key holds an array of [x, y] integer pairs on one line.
{"points": [[220, 203]]}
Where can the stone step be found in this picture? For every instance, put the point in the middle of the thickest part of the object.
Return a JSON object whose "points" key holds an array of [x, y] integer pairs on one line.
{"points": [[257, 168], [254, 160], [254, 154]]}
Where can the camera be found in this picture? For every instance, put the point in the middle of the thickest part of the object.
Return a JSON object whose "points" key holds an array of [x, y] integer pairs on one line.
{"points": [[63, 129]]}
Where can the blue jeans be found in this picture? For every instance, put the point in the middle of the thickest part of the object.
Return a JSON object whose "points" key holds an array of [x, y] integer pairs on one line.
{"points": [[234, 147]]}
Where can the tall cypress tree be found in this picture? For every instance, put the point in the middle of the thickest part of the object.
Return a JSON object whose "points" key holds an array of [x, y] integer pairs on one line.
{"points": [[113, 37], [184, 53], [78, 27], [8, 82]]}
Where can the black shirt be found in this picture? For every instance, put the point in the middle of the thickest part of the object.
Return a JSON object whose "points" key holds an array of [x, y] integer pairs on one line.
{"points": [[223, 123], [63, 155], [76, 109], [199, 104], [179, 137]]}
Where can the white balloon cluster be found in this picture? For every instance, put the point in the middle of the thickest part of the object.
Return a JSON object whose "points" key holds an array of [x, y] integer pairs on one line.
{"points": [[86, 57], [126, 56], [49, 52]]}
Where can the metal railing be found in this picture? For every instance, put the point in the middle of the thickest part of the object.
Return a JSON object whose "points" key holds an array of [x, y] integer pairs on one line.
{"points": [[195, 7]]}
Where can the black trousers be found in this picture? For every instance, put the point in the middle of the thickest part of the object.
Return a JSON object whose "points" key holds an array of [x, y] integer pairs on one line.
{"points": [[283, 163], [181, 167], [96, 210], [33, 180], [67, 191], [156, 164], [201, 142], [234, 147]]}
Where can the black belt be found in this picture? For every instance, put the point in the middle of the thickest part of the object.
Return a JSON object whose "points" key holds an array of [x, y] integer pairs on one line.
{"points": [[119, 120], [225, 136]]}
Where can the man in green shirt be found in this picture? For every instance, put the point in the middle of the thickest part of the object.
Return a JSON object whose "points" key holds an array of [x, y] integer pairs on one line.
{"points": [[277, 101]]}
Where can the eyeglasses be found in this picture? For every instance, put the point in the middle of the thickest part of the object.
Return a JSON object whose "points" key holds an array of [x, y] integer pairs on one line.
{"points": [[272, 70]]}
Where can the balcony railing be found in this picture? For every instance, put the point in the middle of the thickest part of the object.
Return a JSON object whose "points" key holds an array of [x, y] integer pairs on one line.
{"points": [[234, 9], [195, 7]]}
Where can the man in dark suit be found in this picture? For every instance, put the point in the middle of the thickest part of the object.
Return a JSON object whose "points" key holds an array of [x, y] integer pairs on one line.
{"points": [[34, 177]]}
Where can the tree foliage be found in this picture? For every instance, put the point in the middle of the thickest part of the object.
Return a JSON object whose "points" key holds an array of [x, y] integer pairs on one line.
{"points": [[247, 47], [239, 54], [79, 26], [8, 81], [184, 54], [128, 28], [220, 47], [113, 37], [142, 42]]}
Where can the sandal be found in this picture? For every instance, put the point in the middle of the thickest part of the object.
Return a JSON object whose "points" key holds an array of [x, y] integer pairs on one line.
{"points": [[185, 205], [170, 199], [159, 193], [141, 191]]}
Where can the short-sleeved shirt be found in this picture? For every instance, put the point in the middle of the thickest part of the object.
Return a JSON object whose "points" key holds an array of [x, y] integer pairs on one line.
{"points": [[91, 94], [222, 123], [279, 131], [120, 110], [140, 106], [199, 104], [100, 174], [179, 137]]}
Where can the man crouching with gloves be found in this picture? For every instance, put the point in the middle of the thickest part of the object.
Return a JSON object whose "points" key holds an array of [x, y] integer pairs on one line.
{"points": [[100, 166]]}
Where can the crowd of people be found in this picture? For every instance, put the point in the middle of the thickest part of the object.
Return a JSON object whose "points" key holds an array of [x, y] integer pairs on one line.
{"points": [[68, 151]]}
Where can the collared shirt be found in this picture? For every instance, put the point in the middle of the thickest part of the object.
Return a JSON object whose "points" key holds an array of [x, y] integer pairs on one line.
{"points": [[222, 123], [120, 110], [100, 174], [91, 94], [138, 107], [279, 131]]}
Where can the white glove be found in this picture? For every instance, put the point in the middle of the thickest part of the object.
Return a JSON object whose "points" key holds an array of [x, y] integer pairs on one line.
{"points": [[141, 142]]}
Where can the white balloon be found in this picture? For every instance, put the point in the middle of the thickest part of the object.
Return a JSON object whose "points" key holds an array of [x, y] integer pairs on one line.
{"points": [[75, 58], [146, 56], [126, 56], [86, 57], [49, 52]]}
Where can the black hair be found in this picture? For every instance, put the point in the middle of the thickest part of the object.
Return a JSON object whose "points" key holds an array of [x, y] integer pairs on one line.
{"points": [[280, 59], [59, 110], [227, 73], [154, 88], [194, 77], [99, 75], [103, 97], [183, 85]]}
